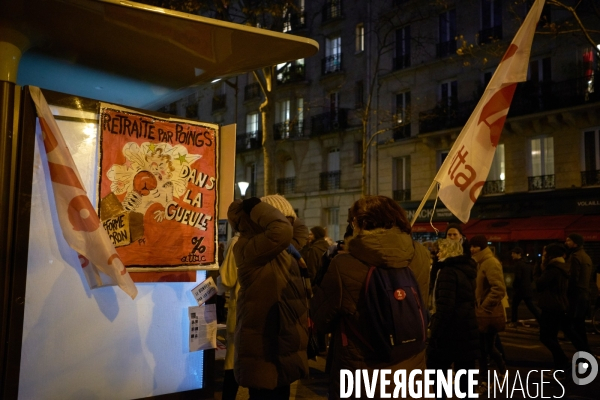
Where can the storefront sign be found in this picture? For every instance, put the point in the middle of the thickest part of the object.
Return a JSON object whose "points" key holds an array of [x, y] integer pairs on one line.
{"points": [[158, 189]]}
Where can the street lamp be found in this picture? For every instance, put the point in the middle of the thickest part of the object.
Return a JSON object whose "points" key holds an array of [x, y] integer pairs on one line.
{"points": [[243, 187]]}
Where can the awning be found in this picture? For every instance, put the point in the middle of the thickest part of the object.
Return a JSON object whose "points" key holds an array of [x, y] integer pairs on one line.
{"points": [[551, 227], [543, 228], [587, 226], [495, 230], [420, 227]]}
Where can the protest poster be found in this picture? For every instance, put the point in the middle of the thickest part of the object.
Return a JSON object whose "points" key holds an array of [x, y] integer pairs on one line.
{"points": [[158, 189]]}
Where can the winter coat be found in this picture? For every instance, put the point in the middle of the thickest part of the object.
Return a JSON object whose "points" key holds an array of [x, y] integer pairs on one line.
{"points": [[313, 256], [300, 234], [338, 306], [490, 289], [580, 270], [552, 286], [272, 316], [229, 279], [523, 278], [454, 333]]}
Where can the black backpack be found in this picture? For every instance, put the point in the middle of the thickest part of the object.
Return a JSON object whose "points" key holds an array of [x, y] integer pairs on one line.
{"points": [[396, 314]]}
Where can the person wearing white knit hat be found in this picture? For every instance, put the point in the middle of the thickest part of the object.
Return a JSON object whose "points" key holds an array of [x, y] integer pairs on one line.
{"points": [[300, 230]]}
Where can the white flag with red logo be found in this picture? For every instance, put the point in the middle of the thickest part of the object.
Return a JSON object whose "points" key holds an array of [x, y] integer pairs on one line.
{"points": [[465, 169], [79, 222]]}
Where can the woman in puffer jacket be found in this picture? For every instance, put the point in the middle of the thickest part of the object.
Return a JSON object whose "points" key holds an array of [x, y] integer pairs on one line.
{"points": [[381, 238], [272, 316], [454, 332]]}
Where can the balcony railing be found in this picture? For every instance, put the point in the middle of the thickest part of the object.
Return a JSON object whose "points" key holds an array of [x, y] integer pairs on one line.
{"points": [[445, 49], [291, 74], [492, 187], [590, 178], [252, 91], [248, 141], [287, 130], [286, 185], [490, 34], [219, 102], [331, 64], [541, 182], [441, 118], [329, 180], [402, 131], [401, 195], [401, 61], [294, 20], [332, 9], [532, 97], [329, 122]]}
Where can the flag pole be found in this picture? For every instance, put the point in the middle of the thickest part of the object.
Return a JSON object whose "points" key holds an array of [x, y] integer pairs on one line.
{"points": [[414, 219]]}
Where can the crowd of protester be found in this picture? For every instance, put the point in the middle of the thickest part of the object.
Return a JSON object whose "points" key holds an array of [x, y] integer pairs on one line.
{"points": [[294, 294]]}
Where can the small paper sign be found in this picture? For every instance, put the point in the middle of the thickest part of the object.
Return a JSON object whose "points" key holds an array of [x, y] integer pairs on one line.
{"points": [[205, 290], [203, 327]]}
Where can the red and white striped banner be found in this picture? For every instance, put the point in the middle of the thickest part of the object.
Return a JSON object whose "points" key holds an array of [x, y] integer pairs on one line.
{"points": [[79, 222]]}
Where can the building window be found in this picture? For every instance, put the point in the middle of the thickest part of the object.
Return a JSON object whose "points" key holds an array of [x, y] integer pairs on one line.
{"points": [[402, 59], [332, 9], [282, 119], [590, 174], [402, 116], [401, 178], [331, 178], [491, 21], [441, 157], [252, 122], [360, 37], [287, 184], [359, 95], [447, 34], [333, 55], [495, 179], [290, 72], [333, 222], [449, 95], [358, 152], [541, 163]]}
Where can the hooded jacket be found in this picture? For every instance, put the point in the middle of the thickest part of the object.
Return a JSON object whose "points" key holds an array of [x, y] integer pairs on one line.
{"points": [[491, 288], [272, 315], [338, 306], [552, 286], [454, 331]]}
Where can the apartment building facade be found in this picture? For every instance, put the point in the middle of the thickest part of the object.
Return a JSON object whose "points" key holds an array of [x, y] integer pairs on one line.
{"points": [[419, 68]]}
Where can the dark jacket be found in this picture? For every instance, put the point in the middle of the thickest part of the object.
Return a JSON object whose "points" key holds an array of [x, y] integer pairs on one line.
{"points": [[523, 279], [454, 325], [272, 316], [338, 300], [580, 270], [552, 286], [313, 256]]}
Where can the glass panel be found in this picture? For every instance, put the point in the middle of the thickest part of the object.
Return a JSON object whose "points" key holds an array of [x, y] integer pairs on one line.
{"points": [[536, 157], [333, 160]]}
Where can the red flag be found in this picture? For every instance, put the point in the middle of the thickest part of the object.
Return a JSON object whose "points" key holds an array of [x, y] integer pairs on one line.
{"points": [[78, 220], [465, 169]]}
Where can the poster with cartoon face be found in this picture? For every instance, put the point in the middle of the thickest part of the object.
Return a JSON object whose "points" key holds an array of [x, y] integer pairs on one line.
{"points": [[158, 189]]}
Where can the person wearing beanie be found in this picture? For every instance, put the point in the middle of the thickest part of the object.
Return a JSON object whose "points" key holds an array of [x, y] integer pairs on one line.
{"points": [[271, 335], [490, 289], [580, 275], [300, 237], [314, 250]]}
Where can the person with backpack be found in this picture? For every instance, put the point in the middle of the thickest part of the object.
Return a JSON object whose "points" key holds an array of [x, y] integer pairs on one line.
{"points": [[454, 330], [373, 300]]}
